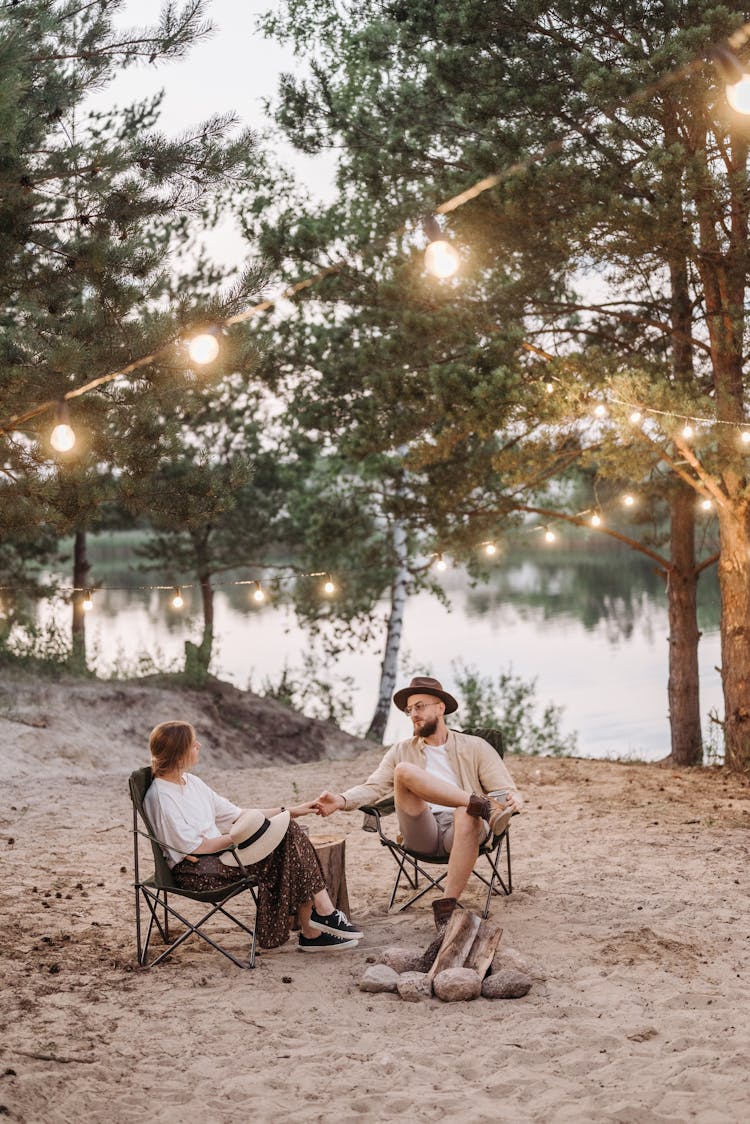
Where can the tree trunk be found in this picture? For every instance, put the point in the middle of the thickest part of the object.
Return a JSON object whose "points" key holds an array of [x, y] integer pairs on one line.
{"points": [[735, 633], [389, 666], [684, 687], [81, 569], [198, 656]]}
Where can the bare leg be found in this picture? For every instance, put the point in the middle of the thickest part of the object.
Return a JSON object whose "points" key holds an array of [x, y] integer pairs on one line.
{"points": [[413, 788], [323, 905], [467, 835]]}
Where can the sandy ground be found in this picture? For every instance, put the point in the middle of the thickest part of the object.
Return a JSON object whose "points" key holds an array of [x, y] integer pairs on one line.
{"points": [[630, 900]]}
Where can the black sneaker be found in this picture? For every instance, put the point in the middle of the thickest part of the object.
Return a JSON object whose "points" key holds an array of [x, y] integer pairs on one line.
{"points": [[336, 923], [324, 942]]}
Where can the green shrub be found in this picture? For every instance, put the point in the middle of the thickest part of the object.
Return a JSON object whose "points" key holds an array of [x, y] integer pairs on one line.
{"points": [[510, 704]]}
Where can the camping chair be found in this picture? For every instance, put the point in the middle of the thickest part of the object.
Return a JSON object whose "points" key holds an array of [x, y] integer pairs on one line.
{"points": [[411, 864], [157, 890]]}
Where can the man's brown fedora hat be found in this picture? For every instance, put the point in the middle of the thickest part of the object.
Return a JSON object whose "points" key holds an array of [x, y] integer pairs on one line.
{"points": [[425, 685]]}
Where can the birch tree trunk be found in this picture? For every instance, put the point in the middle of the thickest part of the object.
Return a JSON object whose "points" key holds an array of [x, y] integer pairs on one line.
{"points": [[389, 666]]}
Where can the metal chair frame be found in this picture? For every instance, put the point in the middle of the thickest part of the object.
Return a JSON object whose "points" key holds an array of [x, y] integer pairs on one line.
{"points": [[156, 890], [411, 864]]}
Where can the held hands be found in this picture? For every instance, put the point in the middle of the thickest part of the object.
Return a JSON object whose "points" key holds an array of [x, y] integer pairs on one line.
{"points": [[328, 803], [302, 809]]}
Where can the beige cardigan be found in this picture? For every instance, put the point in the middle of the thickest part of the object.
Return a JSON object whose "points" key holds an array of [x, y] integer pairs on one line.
{"points": [[477, 765]]}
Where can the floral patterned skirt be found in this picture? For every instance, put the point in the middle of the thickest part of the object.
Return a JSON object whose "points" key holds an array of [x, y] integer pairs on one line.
{"points": [[287, 877]]}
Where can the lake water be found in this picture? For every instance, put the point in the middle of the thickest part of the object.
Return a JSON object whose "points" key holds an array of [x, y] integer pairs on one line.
{"points": [[590, 628]]}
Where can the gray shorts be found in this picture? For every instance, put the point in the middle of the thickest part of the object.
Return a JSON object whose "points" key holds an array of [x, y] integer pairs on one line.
{"points": [[430, 833]]}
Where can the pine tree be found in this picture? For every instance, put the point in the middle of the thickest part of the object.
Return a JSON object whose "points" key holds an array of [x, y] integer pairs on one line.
{"points": [[93, 203], [622, 156]]}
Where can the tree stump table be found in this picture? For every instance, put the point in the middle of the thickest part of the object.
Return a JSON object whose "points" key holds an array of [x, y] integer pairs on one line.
{"points": [[331, 850]]}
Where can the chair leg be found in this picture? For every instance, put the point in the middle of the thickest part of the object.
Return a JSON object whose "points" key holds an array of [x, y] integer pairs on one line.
{"points": [[156, 899], [138, 923]]}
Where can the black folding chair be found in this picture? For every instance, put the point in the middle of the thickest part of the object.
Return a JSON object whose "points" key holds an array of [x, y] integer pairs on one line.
{"points": [[411, 864], [153, 893]]}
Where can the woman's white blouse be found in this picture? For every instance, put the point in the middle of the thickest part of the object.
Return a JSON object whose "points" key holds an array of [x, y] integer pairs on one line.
{"points": [[182, 816]]}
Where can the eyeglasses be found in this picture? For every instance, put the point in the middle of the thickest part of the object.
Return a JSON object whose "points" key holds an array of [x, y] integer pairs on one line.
{"points": [[417, 708]]}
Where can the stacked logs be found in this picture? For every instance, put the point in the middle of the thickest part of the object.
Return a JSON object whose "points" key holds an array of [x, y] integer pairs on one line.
{"points": [[458, 965]]}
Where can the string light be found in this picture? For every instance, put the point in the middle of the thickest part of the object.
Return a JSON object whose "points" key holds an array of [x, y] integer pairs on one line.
{"points": [[736, 78], [62, 437], [177, 600], [596, 520], [549, 387], [688, 432], [490, 549], [550, 536], [88, 601], [636, 417], [628, 500], [204, 347], [440, 563], [328, 586], [441, 257], [258, 594], [745, 436], [707, 505], [600, 411]]}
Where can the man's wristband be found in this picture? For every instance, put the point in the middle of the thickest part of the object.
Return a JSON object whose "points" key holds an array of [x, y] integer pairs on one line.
{"points": [[344, 799]]}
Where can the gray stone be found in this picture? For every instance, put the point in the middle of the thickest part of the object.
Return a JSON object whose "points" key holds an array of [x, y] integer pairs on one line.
{"points": [[402, 958], [378, 977], [510, 958], [506, 984], [457, 983], [413, 986]]}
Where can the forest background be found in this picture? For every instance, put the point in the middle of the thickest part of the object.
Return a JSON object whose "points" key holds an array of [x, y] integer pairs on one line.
{"points": [[590, 344]]}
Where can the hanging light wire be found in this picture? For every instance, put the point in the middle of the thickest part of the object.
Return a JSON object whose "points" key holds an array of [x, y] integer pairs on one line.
{"points": [[735, 42]]}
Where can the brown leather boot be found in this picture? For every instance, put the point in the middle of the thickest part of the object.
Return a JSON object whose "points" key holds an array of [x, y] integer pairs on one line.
{"points": [[443, 909], [479, 806]]}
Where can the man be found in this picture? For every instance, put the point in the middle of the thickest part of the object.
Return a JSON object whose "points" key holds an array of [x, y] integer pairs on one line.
{"points": [[444, 784]]}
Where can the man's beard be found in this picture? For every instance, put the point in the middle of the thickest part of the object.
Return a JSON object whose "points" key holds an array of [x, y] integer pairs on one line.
{"points": [[429, 726]]}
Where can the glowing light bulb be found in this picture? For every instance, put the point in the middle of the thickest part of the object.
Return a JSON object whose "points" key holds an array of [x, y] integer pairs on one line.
{"points": [[636, 416], [687, 432], [441, 258], [177, 600], [258, 594], [596, 520], [738, 94], [62, 438], [329, 587], [490, 549], [550, 536], [745, 437], [441, 564], [549, 387], [706, 505], [600, 411], [88, 601], [628, 500], [203, 348]]}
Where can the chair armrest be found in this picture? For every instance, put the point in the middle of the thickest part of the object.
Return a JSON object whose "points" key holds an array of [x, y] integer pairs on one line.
{"points": [[374, 812]]}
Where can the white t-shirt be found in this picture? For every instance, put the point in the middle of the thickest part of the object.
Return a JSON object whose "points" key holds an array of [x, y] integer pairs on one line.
{"points": [[436, 763], [183, 815]]}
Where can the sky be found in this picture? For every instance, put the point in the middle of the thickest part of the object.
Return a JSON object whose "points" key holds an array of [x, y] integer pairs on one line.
{"points": [[230, 72]]}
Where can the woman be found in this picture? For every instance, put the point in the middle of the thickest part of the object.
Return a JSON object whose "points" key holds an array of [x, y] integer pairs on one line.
{"points": [[194, 823]]}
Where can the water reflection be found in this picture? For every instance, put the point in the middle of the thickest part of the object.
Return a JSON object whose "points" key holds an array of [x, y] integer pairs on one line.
{"points": [[591, 627]]}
